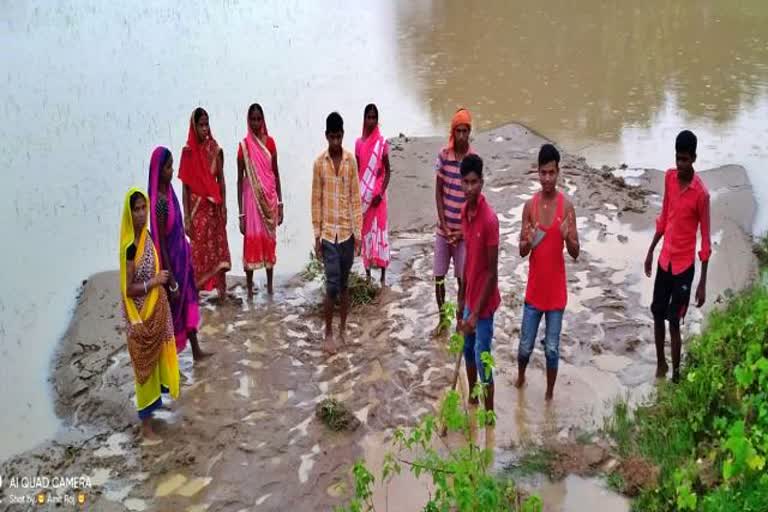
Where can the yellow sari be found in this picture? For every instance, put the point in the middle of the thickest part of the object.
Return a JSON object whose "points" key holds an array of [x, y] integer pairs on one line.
{"points": [[151, 342]]}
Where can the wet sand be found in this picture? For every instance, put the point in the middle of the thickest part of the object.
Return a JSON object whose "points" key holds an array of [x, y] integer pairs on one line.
{"points": [[243, 435]]}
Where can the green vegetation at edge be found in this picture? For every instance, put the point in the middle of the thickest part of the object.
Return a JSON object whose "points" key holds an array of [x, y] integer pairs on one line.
{"points": [[708, 435]]}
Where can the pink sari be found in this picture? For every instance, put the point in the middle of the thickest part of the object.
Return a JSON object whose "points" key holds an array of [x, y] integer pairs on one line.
{"points": [[375, 244], [259, 205]]}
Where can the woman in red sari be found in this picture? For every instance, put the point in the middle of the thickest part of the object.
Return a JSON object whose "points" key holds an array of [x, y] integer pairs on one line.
{"points": [[259, 197], [205, 211]]}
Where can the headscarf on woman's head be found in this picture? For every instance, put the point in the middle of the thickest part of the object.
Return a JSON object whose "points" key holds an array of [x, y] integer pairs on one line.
{"points": [[129, 237], [156, 163], [198, 159]]}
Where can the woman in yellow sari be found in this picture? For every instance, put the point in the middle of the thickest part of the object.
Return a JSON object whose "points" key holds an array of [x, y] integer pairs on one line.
{"points": [[151, 342]]}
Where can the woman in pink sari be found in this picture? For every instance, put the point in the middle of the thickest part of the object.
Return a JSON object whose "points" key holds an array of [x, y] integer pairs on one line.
{"points": [[372, 153], [259, 197]]}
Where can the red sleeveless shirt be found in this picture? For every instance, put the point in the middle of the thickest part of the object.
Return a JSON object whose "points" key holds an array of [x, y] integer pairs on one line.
{"points": [[546, 289]]}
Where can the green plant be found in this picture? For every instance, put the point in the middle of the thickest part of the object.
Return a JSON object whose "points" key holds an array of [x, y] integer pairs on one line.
{"points": [[361, 290], [335, 415], [462, 479], [760, 248], [616, 482], [313, 269], [537, 460]]}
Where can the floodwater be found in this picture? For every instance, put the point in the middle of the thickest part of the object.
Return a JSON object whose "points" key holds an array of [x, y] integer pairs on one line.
{"points": [[90, 89]]}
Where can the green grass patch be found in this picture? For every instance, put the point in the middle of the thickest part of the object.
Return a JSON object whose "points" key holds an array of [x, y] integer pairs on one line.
{"points": [[615, 482], [536, 461]]}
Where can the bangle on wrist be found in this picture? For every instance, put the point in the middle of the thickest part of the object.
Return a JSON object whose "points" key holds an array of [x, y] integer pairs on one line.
{"points": [[145, 287]]}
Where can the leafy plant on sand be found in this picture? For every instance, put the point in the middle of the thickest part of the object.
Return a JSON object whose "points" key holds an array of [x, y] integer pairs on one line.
{"points": [[760, 248], [313, 269], [361, 291], [461, 478], [708, 435], [336, 415]]}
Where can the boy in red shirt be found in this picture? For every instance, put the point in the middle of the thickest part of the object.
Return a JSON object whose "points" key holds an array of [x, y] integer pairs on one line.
{"points": [[479, 295], [684, 211]]}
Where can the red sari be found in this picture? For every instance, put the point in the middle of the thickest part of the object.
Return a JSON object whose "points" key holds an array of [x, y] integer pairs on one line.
{"points": [[208, 231]]}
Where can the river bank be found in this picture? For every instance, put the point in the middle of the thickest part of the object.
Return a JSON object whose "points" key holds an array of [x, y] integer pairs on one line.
{"points": [[243, 435]]}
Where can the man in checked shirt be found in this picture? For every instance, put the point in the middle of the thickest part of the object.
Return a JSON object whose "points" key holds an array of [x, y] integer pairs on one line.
{"points": [[337, 221]]}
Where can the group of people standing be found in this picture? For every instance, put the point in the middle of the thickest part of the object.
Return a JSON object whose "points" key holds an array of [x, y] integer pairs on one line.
{"points": [[170, 249], [468, 235]]}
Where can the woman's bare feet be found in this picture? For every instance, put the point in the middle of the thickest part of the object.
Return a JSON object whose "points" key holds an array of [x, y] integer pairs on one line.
{"points": [[661, 370], [148, 434], [199, 355], [520, 382]]}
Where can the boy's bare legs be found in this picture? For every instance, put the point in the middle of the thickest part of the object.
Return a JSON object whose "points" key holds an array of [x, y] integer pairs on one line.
{"points": [[329, 344], [344, 313], [677, 343], [440, 297], [659, 334]]}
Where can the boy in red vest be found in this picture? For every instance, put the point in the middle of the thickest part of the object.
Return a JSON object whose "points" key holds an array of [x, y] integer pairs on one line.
{"points": [[549, 223]]}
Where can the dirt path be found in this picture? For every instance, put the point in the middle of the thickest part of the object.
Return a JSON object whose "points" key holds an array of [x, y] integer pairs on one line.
{"points": [[243, 435]]}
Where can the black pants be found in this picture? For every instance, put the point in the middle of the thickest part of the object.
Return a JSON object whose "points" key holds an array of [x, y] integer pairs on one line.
{"points": [[337, 259], [672, 294]]}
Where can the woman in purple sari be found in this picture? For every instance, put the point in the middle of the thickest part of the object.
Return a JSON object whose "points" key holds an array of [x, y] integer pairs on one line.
{"points": [[167, 226]]}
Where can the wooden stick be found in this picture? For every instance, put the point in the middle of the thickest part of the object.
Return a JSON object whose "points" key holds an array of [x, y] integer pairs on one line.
{"points": [[444, 428]]}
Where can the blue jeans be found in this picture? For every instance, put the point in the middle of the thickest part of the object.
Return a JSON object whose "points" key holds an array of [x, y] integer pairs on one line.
{"points": [[477, 343], [529, 329]]}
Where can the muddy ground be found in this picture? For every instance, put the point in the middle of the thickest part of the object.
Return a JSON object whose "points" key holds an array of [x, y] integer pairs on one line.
{"points": [[243, 435]]}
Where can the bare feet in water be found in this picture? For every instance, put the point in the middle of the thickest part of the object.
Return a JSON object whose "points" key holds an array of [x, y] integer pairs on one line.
{"points": [[343, 335], [329, 344], [148, 434], [520, 382], [661, 371], [548, 395]]}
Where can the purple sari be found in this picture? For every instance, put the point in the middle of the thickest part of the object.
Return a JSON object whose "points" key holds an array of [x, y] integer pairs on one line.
{"points": [[184, 309]]}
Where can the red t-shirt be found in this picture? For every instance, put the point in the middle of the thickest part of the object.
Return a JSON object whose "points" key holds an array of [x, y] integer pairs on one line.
{"points": [[682, 214], [270, 146], [480, 233]]}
